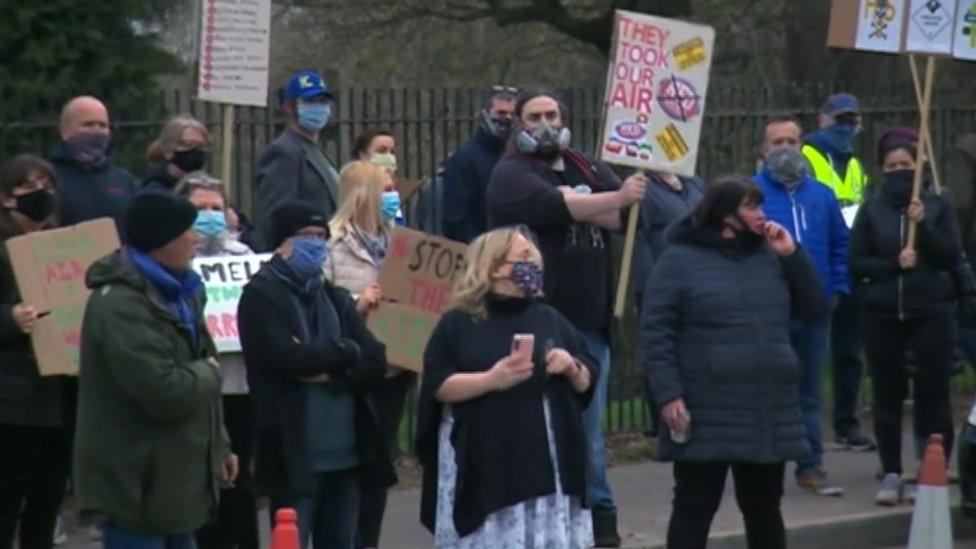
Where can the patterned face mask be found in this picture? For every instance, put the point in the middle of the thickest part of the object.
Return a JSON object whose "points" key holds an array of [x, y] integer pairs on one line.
{"points": [[527, 276]]}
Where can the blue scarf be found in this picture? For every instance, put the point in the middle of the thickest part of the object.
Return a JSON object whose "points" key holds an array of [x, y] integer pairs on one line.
{"points": [[176, 291], [839, 153]]}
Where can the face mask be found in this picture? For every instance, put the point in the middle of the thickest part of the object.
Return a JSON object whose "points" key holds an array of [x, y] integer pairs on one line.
{"points": [[390, 205], [314, 116], [545, 141], [841, 137], [88, 148], [898, 185], [528, 277], [308, 254], [189, 161], [36, 205], [210, 223], [496, 126], [386, 160], [787, 165]]}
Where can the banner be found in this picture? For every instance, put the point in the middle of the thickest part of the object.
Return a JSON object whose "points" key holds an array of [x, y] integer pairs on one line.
{"points": [[234, 52], [224, 278], [50, 269], [655, 95]]}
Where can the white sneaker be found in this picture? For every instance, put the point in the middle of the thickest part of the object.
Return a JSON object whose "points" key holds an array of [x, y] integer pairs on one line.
{"points": [[60, 533], [891, 492]]}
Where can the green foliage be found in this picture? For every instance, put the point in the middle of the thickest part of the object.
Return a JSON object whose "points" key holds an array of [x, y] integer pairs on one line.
{"points": [[55, 49]]}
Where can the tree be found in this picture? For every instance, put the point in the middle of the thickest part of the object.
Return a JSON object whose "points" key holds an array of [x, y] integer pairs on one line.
{"points": [[56, 49]]}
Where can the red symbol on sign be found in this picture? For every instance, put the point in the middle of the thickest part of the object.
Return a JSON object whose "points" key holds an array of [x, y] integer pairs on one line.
{"points": [[399, 248], [206, 86]]}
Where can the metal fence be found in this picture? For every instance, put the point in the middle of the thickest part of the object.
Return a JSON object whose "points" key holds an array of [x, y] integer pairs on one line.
{"points": [[430, 123]]}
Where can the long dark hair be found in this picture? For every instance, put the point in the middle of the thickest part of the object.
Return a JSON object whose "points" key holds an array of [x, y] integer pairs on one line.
{"points": [[723, 198], [14, 173]]}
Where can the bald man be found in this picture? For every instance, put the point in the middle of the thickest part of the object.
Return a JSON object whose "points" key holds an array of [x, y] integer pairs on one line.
{"points": [[90, 185]]}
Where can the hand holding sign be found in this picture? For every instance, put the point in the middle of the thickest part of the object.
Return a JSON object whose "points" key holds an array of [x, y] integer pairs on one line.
{"points": [[633, 189], [25, 316]]}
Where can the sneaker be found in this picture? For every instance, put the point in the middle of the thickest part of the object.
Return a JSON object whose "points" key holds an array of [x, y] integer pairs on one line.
{"points": [[815, 480], [60, 533], [892, 491], [855, 441]]}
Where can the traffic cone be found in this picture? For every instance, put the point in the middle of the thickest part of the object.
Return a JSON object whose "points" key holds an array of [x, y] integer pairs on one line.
{"points": [[931, 524], [285, 535]]}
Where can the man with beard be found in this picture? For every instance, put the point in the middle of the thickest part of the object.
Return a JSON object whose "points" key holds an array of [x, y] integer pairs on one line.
{"points": [[570, 202]]}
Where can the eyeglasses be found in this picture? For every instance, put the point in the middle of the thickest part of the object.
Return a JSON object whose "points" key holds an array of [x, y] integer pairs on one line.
{"points": [[504, 89]]}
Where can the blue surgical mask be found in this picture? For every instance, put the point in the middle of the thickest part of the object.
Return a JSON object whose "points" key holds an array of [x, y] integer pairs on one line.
{"points": [[841, 137], [210, 223], [390, 205], [308, 254], [314, 116]]}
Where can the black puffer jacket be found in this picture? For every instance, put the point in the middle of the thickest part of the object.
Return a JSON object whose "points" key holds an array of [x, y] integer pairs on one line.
{"points": [[878, 236], [716, 333]]}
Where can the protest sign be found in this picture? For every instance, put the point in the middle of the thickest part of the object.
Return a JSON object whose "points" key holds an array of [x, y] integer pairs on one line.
{"points": [[50, 270], [235, 39], [655, 95], [964, 41], [930, 26], [405, 331], [224, 278], [867, 25], [420, 269]]}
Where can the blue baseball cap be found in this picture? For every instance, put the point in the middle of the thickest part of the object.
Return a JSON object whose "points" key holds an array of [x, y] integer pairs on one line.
{"points": [[841, 103], [306, 85]]}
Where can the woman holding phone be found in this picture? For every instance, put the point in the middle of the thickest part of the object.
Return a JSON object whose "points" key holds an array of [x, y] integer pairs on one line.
{"points": [[504, 375]]}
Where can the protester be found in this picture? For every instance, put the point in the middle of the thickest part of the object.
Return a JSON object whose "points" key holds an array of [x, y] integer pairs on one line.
{"points": [[483, 402], [293, 166], [310, 361], [809, 211], [377, 145], [570, 202], [716, 325], [235, 523], [239, 226], [469, 168], [359, 242], [90, 185], [830, 152], [35, 462], [181, 148], [909, 296], [150, 451], [961, 182]]}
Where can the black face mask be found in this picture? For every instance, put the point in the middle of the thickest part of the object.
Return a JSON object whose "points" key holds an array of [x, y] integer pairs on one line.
{"points": [[189, 161], [898, 186], [36, 205]]}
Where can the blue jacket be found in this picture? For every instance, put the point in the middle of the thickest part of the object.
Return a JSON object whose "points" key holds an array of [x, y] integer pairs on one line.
{"points": [[465, 186], [812, 216]]}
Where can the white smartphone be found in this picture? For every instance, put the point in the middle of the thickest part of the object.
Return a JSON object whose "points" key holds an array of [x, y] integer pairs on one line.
{"points": [[523, 346]]}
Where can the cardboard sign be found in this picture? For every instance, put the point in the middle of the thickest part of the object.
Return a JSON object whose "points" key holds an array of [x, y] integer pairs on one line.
{"points": [[405, 331], [420, 270], [964, 40], [655, 96], [930, 26], [224, 278], [50, 270], [867, 25], [235, 39]]}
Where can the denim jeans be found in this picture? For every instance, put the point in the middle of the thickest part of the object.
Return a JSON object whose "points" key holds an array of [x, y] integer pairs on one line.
{"points": [[598, 491], [846, 348], [809, 341], [116, 537], [330, 517]]}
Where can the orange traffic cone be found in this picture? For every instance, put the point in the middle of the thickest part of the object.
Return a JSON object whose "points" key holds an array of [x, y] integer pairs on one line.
{"points": [[931, 524], [285, 535]]}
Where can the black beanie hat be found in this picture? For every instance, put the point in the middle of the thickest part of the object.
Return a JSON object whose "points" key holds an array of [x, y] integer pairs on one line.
{"points": [[154, 219], [293, 216]]}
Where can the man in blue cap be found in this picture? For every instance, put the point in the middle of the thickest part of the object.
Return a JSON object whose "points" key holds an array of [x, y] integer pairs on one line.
{"points": [[830, 152], [293, 166]]}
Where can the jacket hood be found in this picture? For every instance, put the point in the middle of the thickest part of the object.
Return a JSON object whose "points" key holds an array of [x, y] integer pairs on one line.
{"points": [[687, 231], [115, 268], [488, 140], [60, 155]]}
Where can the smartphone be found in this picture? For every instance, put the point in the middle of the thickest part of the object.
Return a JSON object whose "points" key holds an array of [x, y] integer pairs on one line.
{"points": [[523, 346]]}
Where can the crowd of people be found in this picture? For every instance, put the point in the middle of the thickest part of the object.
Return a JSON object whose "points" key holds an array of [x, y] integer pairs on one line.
{"points": [[748, 284]]}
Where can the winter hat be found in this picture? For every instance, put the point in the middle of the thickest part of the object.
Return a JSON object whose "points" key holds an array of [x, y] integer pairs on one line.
{"points": [[894, 139], [154, 219], [293, 216]]}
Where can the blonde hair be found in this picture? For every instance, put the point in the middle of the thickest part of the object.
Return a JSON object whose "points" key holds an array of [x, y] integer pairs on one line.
{"points": [[360, 189], [170, 136], [484, 256]]}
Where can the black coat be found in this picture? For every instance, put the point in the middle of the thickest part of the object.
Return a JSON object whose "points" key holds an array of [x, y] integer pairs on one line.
{"points": [[26, 398], [465, 186], [271, 329], [86, 193], [878, 236], [716, 327], [159, 179]]}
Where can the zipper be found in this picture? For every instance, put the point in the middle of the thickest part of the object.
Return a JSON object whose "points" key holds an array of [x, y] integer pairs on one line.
{"points": [[901, 284], [796, 217]]}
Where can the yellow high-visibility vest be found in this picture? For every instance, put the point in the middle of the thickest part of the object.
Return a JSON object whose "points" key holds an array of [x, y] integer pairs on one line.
{"points": [[850, 189]]}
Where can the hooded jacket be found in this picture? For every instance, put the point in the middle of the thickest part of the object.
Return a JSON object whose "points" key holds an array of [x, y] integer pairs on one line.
{"points": [[466, 185], [86, 193]]}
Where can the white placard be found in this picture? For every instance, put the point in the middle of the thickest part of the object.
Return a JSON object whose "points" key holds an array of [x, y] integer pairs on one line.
{"points": [[930, 26], [225, 277], [879, 25], [964, 41], [234, 51]]}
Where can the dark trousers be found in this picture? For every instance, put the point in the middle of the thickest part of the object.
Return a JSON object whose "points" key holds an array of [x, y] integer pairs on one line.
{"points": [[330, 517], [389, 399], [846, 347], [698, 492], [236, 523], [34, 465], [932, 339]]}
